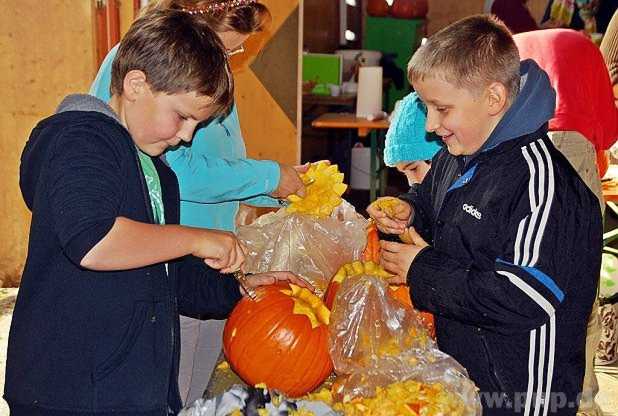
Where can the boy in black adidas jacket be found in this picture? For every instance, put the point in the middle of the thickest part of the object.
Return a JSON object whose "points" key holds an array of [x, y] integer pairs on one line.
{"points": [[507, 237]]}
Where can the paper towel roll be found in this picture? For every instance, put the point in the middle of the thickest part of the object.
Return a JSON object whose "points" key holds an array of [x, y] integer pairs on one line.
{"points": [[369, 97]]}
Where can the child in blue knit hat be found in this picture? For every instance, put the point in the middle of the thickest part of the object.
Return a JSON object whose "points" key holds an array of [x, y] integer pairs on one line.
{"points": [[408, 146]]}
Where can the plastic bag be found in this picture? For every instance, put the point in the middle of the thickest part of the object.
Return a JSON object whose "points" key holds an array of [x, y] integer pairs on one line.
{"points": [[311, 247], [241, 400], [375, 341]]}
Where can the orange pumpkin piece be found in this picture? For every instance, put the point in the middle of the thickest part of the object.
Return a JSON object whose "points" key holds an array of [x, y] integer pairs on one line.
{"points": [[372, 249], [280, 339]]}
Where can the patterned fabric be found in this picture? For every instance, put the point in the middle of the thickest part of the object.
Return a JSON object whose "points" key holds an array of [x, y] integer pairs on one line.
{"points": [[607, 352]]}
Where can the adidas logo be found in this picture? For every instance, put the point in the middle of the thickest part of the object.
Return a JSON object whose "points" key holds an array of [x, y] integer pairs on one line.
{"points": [[472, 211]]}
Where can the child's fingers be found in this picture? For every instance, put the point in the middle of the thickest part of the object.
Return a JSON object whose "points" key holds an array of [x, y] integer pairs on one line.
{"points": [[397, 280], [390, 226], [375, 212], [390, 246], [215, 264], [295, 279], [416, 237], [389, 265]]}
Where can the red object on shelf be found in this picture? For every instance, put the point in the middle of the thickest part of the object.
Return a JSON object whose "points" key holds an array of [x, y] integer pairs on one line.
{"points": [[409, 9], [377, 8]]}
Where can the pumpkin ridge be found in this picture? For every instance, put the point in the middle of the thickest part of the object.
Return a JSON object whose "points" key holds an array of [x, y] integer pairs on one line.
{"points": [[248, 342]]}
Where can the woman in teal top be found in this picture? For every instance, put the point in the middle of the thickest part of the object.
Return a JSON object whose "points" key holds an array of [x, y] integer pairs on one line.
{"points": [[215, 175], [213, 172]]}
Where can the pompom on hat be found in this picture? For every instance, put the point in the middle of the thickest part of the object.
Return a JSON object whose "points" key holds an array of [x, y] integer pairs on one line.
{"points": [[406, 138]]}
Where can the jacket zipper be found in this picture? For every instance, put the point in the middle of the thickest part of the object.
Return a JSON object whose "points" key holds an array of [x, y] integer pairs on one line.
{"points": [[171, 301]]}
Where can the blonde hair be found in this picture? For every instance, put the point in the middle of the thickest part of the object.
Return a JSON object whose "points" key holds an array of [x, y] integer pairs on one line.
{"points": [[470, 53], [179, 54], [244, 17]]}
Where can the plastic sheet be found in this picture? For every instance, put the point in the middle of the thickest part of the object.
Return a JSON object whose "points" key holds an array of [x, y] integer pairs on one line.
{"points": [[375, 341], [240, 400], [311, 247]]}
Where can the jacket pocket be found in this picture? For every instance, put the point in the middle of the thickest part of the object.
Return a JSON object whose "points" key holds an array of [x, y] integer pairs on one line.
{"points": [[138, 318]]}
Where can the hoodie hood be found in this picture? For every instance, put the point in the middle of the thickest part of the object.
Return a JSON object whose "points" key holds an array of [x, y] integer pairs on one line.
{"points": [[85, 102], [41, 139], [533, 107]]}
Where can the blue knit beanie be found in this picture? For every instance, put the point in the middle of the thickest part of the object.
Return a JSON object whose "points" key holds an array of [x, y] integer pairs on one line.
{"points": [[406, 138]]}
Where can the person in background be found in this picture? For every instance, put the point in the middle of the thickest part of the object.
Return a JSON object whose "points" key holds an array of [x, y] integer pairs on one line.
{"points": [[499, 220], [214, 174], [609, 50], [572, 14], [408, 147], [515, 15], [585, 122]]}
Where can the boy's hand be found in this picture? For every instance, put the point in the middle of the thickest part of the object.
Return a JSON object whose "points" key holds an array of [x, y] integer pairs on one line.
{"points": [[220, 250], [393, 223], [397, 258], [289, 182], [270, 278]]}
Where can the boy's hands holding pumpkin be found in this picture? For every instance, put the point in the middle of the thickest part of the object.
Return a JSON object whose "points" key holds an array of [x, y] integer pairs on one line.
{"points": [[397, 258], [270, 278], [393, 220]]}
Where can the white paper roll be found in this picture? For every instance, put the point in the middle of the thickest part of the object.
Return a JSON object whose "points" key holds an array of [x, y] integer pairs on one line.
{"points": [[369, 97]]}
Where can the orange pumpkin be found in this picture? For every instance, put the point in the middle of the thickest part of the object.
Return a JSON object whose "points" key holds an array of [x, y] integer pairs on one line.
{"points": [[280, 339], [402, 294]]}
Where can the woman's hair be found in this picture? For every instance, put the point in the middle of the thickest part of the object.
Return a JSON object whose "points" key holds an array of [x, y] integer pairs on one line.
{"points": [[241, 16]]}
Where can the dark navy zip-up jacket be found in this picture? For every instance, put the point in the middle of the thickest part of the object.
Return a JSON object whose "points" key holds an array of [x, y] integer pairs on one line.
{"points": [[87, 342], [512, 268]]}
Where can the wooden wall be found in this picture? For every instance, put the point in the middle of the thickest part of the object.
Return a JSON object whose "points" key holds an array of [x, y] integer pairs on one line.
{"points": [[268, 88], [47, 52]]}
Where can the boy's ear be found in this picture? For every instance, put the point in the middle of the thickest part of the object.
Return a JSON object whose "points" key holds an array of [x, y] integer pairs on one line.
{"points": [[134, 84], [497, 98]]}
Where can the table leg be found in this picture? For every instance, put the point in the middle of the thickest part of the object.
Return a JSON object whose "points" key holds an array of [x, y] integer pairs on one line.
{"points": [[373, 172]]}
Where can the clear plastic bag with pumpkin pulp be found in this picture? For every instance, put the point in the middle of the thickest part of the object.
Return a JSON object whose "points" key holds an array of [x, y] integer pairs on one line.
{"points": [[311, 247], [376, 341]]}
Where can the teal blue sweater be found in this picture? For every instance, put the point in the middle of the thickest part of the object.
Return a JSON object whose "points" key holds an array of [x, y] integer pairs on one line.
{"points": [[213, 172]]}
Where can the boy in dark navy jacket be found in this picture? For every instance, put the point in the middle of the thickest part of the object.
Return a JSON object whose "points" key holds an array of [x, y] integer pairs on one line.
{"points": [[507, 237], [95, 327]]}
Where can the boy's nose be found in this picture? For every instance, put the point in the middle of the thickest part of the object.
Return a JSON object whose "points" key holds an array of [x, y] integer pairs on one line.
{"points": [[186, 132], [432, 124]]}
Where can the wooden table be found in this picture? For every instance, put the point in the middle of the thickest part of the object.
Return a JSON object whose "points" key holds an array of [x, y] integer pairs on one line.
{"points": [[610, 190], [364, 127]]}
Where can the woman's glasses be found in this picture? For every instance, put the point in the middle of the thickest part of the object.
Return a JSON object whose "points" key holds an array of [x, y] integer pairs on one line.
{"points": [[239, 49]]}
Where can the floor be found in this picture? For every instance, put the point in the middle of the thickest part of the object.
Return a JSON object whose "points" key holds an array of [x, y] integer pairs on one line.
{"points": [[607, 376]]}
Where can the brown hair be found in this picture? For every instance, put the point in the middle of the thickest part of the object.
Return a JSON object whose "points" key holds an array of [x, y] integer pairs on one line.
{"points": [[221, 15], [470, 53], [178, 53]]}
